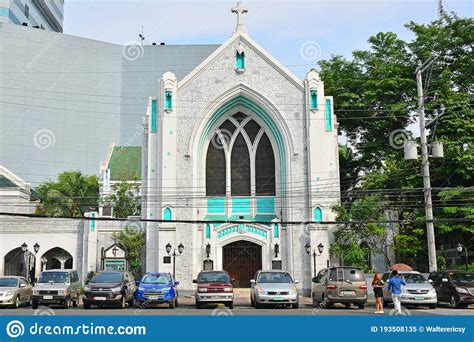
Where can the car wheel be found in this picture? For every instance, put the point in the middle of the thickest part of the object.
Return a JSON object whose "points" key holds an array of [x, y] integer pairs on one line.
{"points": [[361, 306], [348, 305], [327, 304], [130, 303], [87, 305], [34, 304], [432, 306], [172, 304], [176, 301], [453, 301], [17, 303], [123, 302], [230, 305], [295, 306], [198, 305], [252, 303]]}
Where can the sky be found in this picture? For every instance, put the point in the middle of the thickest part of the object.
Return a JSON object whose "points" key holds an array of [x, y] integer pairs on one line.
{"points": [[297, 33]]}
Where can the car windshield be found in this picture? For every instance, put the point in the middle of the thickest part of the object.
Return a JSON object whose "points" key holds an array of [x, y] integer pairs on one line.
{"points": [[108, 277], [53, 277], [274, 277], [162, 279], [414, 279], [346, 274], [463, 277], [213, 277], [8, 282]]}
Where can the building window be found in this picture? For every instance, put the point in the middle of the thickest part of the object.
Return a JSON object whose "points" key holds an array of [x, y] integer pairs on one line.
{"points": [[153, 116], [328, 115], [314, 99], [240, 168], [4, 12], [318, 215], [168, 100], [167, 215], [240, 60], [27, 11], [215, 168], [265, 168], [276, 231], [208, 231]]}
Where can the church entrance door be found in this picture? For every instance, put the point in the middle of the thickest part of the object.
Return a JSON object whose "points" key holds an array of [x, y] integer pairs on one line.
{"points": [[241, 259]]}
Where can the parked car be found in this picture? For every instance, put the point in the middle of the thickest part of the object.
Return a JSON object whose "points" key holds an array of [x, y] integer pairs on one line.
{"points": [[214, 287], [417, 291], [14, 291], [273, 287], [346, 285], [454, 287], [157, 288], [110, 288], [60, 287]]}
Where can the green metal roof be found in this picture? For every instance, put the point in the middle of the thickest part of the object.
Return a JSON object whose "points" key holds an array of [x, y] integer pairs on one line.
{"points": [[6, 183], [126, 163]]}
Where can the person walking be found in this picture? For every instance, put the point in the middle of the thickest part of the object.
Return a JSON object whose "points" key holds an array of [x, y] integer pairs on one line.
{"points": [[377, 285], [395, 287]]}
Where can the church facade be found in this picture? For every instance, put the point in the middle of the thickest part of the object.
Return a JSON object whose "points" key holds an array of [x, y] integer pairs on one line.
{"points": [[240, 164]]}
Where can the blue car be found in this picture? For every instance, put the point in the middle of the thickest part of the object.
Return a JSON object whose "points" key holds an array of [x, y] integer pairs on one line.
{"points": [[156, 288]]}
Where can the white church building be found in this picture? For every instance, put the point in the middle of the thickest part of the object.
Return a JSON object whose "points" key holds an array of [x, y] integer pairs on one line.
{"points": [[237, 155]]}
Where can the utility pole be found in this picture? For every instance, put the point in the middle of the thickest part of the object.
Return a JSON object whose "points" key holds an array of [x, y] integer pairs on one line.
{"points": [[426, 166], [440, 9]]}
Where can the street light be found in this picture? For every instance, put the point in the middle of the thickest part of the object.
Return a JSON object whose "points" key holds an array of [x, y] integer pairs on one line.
{"points": [[174, 255], [460, 248], [208, 250], [24, 247], [36, 247], [320, 247], [277, 250]]}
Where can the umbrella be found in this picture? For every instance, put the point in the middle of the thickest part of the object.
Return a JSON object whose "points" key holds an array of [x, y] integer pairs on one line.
{"points": [[400, 267]]}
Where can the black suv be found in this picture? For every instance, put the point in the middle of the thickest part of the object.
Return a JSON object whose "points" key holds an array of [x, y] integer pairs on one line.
{"points": [[454, 287], [110, 287]]}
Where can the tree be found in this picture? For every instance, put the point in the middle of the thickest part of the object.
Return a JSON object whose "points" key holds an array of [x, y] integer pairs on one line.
{"points": [[358, 236], [132, 241], [71, 195], [124, 199]]}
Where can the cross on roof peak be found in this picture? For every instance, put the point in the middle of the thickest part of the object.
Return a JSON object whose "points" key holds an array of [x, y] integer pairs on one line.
{"points": [[239, 9]]}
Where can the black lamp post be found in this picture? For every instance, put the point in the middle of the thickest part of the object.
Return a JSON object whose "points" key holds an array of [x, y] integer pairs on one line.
{"points": [[174, 255], [36, 248], [307, 248], [208, 250], [277, 250], [460, 248], [24, 249]]}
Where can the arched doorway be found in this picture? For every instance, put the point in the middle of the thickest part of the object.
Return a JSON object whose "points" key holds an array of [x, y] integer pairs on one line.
{"points": [[16, 262], [241, 259], [56, 258]]}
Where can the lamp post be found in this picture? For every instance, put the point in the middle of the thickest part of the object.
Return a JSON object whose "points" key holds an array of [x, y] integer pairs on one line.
{"points": [[24, 249], [460, 248], [277, 250], [174, 255], [308, 251], [208, 250]]}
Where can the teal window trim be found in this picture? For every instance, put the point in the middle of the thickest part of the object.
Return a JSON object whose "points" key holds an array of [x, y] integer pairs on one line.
{"points": [[4, 12], [313, 99], [318, 215], [168, 100], [153, 116], [276, 231], [208, 231], [167, 214], [240, 60], [328, 115]]}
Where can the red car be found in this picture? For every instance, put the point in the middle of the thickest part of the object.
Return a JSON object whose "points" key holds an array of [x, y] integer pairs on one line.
{"points": [[214, 287]]}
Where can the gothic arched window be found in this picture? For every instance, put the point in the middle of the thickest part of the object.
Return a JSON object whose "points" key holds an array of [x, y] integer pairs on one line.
{"points": [[240, 168], [215, 168], [264, 168]]}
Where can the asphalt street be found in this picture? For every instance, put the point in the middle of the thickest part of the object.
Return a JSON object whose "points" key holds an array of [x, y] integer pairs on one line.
{"points": [[187, 310]]}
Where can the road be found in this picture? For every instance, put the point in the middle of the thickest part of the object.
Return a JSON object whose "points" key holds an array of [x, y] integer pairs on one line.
{"points": [[238, 310]]}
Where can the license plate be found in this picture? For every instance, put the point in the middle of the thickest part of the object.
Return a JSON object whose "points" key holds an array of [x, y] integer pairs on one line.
{"points": [[278, 298], [419, 298], [348, 293], [47, 297], [100, 298], [153, 297]]}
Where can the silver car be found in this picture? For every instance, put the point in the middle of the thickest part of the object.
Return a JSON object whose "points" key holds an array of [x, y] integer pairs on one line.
{"points": [[60, 287], [417, 291], [273, 288], [14, 291]]}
